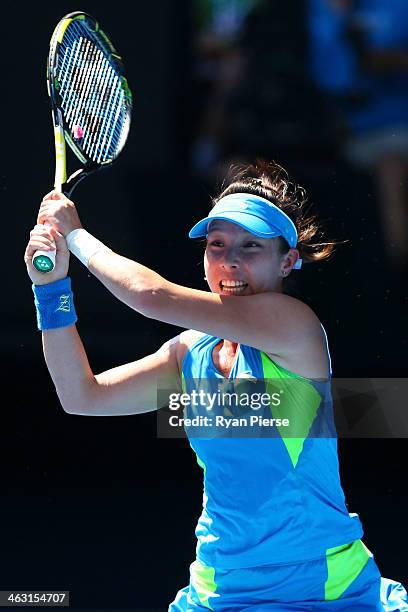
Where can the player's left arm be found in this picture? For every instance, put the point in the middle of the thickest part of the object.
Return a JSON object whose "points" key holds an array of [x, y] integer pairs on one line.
{"points": [[272, 322]]}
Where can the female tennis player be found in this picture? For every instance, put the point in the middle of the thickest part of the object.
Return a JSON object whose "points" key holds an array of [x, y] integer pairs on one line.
{"points": [[274, 533]]}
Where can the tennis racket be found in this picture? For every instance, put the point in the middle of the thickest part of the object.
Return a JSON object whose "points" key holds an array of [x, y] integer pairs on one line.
{"points": [[91, 104]]}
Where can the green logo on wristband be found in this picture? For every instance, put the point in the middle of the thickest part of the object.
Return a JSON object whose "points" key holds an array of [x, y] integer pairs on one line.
{"points": [[42, 263]]}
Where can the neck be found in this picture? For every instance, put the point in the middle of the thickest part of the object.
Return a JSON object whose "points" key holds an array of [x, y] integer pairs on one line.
{"points": [[228, 346]]}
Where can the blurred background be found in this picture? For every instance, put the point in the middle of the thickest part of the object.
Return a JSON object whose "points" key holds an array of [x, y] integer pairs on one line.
{"points": [[100, 506]]}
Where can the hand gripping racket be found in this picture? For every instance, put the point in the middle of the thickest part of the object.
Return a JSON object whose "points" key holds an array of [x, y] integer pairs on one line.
{"points": [[91, 104]]}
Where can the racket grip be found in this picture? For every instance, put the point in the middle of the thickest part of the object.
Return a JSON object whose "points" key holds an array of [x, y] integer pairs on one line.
{"points": [[44, 261]]}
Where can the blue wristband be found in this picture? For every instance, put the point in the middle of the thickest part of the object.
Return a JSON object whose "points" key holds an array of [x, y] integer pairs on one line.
{"points": [[54, 304]]}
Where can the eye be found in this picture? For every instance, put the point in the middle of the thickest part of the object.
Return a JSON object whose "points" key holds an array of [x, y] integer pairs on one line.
{"points": [[251, 243], [215, 243]]}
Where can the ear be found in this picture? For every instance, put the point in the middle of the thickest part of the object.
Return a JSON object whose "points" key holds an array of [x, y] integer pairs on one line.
{"points": [[289, 261]]}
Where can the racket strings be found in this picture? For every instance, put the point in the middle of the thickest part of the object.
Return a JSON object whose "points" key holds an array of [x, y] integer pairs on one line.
{"points": [[77, 86], [89, 96], [93, 100]]}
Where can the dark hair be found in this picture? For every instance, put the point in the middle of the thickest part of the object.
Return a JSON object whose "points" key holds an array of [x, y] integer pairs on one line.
{"points": [[270, 181]]}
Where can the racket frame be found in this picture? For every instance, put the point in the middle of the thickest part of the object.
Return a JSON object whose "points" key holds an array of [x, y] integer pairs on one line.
{"points": [[62, 133], [44, 261]]}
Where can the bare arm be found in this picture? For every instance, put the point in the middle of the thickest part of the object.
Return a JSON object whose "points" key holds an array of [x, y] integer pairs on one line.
{"points": [[272, 322], [128, 389]]}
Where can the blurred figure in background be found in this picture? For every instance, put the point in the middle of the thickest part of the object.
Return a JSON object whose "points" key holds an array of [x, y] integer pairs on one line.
{"points": [[254, 97], [359, 57], [219, 67]]}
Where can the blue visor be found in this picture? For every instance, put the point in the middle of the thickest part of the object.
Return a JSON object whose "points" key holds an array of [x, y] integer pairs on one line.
{"points": [[254, 214]]}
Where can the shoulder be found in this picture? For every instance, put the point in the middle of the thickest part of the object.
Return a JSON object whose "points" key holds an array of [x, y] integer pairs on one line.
{"points": [[181, 343], [186, 339], [309, 357], [269, 321], [281, 324]]}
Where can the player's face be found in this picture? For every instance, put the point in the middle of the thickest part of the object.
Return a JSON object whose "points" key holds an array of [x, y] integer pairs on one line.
{"points": [[234, 254]]}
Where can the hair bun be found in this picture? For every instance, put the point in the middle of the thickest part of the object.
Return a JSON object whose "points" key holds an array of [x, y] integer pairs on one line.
{"points": [[270, 180]]}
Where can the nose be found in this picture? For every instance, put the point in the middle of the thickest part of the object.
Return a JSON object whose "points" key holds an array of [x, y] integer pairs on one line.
{"points": [[231, 258]]}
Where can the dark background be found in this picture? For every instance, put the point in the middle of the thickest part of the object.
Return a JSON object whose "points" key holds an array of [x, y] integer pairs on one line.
{"points": [[100, 506]]}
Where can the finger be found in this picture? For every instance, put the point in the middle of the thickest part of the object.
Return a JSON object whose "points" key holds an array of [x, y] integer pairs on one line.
{"points": [[41, 231], [45, 204], [40, 228], [49, 196], [41, 217], [48, 205], [38, 240], [61, 243], [42, 212], [57, 195], [55, 200], [38, 245], [45, 215], [54, 195], [49, 222], [52, 230]]}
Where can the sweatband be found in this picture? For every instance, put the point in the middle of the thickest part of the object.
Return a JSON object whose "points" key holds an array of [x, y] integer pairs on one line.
{"points": [[54, 304], [83, 245]]}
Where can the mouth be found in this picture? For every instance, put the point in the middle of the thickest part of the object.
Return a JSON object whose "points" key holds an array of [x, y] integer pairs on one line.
{"points": [[233, 287]]}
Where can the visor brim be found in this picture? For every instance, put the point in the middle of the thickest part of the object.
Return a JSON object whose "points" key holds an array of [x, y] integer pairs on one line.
{"points": [[248, 222]]}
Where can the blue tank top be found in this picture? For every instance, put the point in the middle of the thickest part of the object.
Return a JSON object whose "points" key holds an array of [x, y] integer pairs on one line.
{"points": [[268, 498]]}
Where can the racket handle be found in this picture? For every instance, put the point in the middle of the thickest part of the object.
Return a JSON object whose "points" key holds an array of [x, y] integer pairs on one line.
{"points": [[44, 261]]}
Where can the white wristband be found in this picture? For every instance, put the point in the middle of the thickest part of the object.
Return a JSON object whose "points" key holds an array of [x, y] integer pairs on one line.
{"points": [[83, 245]]}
